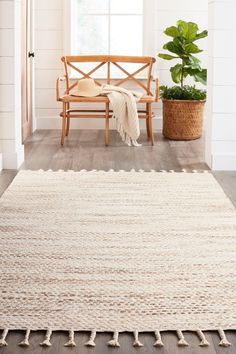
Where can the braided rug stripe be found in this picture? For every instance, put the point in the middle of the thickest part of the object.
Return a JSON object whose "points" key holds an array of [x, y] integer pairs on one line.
{"points": [[117, 251]]}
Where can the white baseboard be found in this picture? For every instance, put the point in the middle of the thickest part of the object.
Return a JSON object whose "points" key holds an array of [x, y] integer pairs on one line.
{"points": [[89, 123], [13, 160], [223, 163]]}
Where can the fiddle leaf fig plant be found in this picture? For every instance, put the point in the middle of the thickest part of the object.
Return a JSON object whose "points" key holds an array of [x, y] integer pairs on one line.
{"points": [[183, 47]]}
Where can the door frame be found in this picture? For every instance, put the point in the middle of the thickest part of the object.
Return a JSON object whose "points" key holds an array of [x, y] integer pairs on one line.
{"points": [[27, 69]]}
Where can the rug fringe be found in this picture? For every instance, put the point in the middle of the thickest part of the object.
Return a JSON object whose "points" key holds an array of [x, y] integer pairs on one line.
{"points": [[91, 342], [3, 342], [114, 342], [46, 342], [224, 341], [131, 170], [71, 341], [137, 343], [25, 341], [158, 342], [204, 342], [182, 342]]}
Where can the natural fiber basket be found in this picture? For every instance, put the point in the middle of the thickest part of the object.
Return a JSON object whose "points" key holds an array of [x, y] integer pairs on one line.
{"points": [[182, 119]]}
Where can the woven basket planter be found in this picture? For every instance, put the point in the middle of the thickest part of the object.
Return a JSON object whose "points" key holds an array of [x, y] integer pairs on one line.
{"points": [[182, 120]]}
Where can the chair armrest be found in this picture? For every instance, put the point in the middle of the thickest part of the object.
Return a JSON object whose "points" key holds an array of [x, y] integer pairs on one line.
{"points": [[59, 79]]}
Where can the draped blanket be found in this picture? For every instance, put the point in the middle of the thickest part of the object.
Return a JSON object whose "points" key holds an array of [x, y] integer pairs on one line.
{"points": [[124, 105]]}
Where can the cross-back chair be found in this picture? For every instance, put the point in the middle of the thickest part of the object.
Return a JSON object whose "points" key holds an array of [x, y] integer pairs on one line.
{"points": [[144, 83]]}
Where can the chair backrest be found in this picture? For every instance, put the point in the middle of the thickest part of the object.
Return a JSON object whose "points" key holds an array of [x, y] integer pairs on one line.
{"points": [[145, 67]]}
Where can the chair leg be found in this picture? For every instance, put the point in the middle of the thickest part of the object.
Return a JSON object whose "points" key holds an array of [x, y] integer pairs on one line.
{"points": [[107, 125], [147, 123], [67, 121], [67, 126], [150, 123], [63, 129]]}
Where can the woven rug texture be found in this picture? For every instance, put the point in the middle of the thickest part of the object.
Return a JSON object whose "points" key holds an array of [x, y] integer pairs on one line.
{"points": [[117, 251]]}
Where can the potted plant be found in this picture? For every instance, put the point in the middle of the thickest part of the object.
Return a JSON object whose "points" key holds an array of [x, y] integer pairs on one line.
{"points": [[183, 105]]}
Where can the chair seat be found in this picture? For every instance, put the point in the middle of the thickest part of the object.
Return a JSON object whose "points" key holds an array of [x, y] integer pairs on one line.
{"points": [[105, 99]]}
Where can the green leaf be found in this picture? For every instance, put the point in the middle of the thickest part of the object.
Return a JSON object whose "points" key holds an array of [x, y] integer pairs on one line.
{"points": [[188, 29], [201, 35], [183, 28], [172, 31], [192, 48], [167, 56], [179, 43], [198, 75], [173, 48], [193, 62], [201, 76], [176, 72], [192, 31], [194, 59]]}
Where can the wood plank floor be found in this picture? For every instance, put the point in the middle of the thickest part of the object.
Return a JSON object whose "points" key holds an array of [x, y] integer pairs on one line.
{"points": [[86, 150]]}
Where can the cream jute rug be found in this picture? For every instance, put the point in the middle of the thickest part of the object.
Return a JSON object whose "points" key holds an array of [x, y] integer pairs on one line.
{"points": [[117, 251]]}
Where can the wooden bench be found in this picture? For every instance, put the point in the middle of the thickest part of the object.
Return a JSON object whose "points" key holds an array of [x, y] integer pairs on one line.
{"points": [[72, 62]]}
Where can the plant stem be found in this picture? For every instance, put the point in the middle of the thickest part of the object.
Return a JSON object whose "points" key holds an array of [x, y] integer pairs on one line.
{"points": [[182, 74]]}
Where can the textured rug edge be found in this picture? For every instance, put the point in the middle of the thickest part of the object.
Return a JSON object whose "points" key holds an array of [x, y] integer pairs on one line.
{"points": [[114, 342], [120, 170]]}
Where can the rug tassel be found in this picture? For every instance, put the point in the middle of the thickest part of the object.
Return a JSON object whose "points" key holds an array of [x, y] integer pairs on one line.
{"points": [[46, 342], [92, 337], [25, 341], [137, 343], [224, 341], [3, 342], [158, 342], [71, 341], [204, 342], [114, 342], [182, 342]]}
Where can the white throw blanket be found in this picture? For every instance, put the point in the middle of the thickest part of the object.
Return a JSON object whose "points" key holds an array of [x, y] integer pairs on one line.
{"points": [[124, 106]]}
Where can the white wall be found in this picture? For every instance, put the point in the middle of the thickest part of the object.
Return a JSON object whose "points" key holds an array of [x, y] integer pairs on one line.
{"points": [[221, 122], [48, 51], [11, 150], [49, 48]]}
